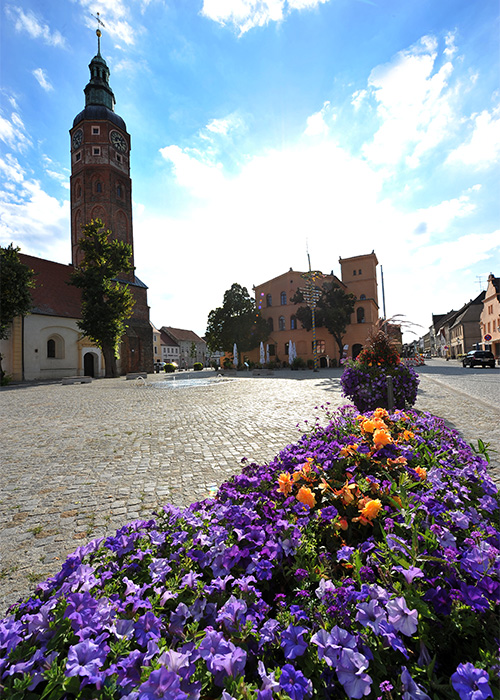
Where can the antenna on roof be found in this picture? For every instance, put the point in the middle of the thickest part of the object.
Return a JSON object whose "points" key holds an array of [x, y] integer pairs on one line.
{"points": [[479, 282]]}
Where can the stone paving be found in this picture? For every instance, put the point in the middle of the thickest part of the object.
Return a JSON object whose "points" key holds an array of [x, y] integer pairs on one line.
{"points": [[79, 461]]}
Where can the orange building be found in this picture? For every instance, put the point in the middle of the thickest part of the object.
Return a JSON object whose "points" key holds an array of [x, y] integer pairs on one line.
{"points": [[273, 298]]}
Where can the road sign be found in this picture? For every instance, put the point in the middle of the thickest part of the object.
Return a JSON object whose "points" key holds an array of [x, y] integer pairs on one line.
{"points": [[487, 337]]}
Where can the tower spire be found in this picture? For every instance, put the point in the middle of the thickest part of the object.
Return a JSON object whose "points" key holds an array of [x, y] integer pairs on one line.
{"points": [[98, 31]]}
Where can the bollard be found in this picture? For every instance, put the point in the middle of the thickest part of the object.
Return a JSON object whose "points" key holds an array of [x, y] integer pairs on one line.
{"points": [[390, 394]]}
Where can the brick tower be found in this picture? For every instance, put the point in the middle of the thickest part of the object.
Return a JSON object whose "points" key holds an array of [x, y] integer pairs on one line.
{"points": [[101, 188]]}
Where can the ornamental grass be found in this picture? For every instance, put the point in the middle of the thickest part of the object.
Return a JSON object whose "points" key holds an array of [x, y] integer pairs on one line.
{"points": [[363, 561]]}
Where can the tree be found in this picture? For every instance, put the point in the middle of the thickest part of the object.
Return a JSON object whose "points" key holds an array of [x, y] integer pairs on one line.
{"points": [[106, 303], [236, 321], [333, 311], [16, 281]]}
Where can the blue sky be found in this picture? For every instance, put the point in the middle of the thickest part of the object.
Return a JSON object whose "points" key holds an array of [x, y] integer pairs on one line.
{"points": [[261, 128]]}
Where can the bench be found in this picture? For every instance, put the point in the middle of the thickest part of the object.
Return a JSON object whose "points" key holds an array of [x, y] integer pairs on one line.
{"points": [[136, 375], [76, 380]]}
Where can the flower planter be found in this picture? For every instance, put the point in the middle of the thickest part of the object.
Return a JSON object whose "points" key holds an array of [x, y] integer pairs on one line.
{"points": [[367, 387]]}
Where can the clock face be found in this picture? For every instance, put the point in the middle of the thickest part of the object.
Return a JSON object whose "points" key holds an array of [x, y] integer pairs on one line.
{"points": [[118, 141], [77, 138]]}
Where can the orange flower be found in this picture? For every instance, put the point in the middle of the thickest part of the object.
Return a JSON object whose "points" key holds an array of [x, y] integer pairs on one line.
{"points": [[306, 496], [285, 482], [380, 413], [371, 508], [345, 493], [398, 460], [381, 438], [367, 426], [408, 435], [296, 475], [341, 524], [422, 473], [349, 450]]}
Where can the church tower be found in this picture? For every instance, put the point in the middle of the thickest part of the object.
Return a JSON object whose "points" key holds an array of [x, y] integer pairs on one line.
{"points": [[101, 188], [100, 182]]}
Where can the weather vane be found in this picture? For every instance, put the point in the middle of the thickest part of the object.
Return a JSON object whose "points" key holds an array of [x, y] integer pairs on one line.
{"points": [[98, 31]]}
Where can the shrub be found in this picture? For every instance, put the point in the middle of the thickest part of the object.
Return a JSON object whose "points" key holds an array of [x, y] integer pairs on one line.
{"points": [[362, 561], [298, 363], [197, 366], [170, 367]]}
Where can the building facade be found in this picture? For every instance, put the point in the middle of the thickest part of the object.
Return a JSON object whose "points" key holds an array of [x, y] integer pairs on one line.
{"points": [[490, 317], [191, 347], [274, 301]]}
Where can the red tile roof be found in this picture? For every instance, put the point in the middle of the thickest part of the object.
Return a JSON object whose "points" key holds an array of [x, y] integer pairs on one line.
{"points": [[180, 334], [52, 295]]}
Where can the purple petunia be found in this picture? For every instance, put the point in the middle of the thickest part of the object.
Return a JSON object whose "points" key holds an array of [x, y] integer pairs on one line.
{"points": [[85, 658], [293, 642], [471, 683], [294, 683]]}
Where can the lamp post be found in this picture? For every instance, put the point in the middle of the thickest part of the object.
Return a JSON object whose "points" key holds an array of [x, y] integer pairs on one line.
{"points": [[311, 295]]}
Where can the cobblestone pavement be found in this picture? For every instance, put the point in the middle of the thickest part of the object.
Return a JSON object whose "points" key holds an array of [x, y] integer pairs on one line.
{"points": [[79, 461]]}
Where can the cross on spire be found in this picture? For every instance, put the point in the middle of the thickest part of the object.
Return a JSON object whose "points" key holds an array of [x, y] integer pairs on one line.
{"points": [[98, 31]]}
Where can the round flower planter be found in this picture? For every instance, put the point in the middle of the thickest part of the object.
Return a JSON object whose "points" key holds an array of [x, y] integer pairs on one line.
{"points": [[367, 386]]}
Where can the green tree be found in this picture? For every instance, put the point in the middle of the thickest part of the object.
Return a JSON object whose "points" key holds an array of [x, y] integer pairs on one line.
{"points": [[16, 281], [333, 311], [106, 303], [236, 321]]}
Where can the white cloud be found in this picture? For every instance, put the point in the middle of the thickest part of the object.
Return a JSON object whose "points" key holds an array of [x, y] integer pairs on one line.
{"points": [[247, 14], [35, 27], [203, 179], [42, 79], [483, 147], [13, 132], [358, 98], [414, 105], [115, 16], [316, 123], [35, 221]]}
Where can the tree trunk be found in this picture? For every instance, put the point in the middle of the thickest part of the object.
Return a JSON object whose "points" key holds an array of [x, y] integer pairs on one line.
{"points": [[111, 369]]}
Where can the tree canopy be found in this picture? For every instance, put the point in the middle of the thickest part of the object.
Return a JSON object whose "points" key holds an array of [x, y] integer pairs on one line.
{"points": [[236, 321], [106, 303], [333, 311], [16, 281]]}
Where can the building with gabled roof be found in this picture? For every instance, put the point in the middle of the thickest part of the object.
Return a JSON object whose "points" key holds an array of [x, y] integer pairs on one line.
{"points": [[490, 317], [192, 348]]}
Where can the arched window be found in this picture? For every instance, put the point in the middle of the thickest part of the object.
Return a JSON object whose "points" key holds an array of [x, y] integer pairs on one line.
{"points": [[362, 296], [119, 191], [283, 298], [269, 300], [55, 347], [270, 323], [282, 325], [293, 323], [360, 315], [98, 187]]}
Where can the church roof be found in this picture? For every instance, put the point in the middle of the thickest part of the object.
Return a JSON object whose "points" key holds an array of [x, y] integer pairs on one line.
{"points": [[52, 295], [96, 112]]}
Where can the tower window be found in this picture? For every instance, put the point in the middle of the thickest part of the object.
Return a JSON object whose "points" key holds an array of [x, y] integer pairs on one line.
{"points": [[119, 191], [96, 151], [78, 155], [96, 130], [118, 158], [98, 187]]}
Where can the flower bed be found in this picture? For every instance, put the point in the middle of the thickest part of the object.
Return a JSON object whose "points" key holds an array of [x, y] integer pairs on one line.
{"points": [[362, 562], [366, 385]]}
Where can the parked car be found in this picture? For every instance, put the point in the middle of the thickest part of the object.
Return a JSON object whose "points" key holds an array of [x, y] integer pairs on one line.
{"points": [[482, 358]]}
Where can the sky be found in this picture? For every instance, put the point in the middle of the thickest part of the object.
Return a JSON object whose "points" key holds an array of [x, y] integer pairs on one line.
{"points": [[263, 130]]}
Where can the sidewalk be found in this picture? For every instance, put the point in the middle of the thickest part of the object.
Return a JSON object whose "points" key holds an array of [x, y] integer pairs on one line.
{"points": [[79, 461]]}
